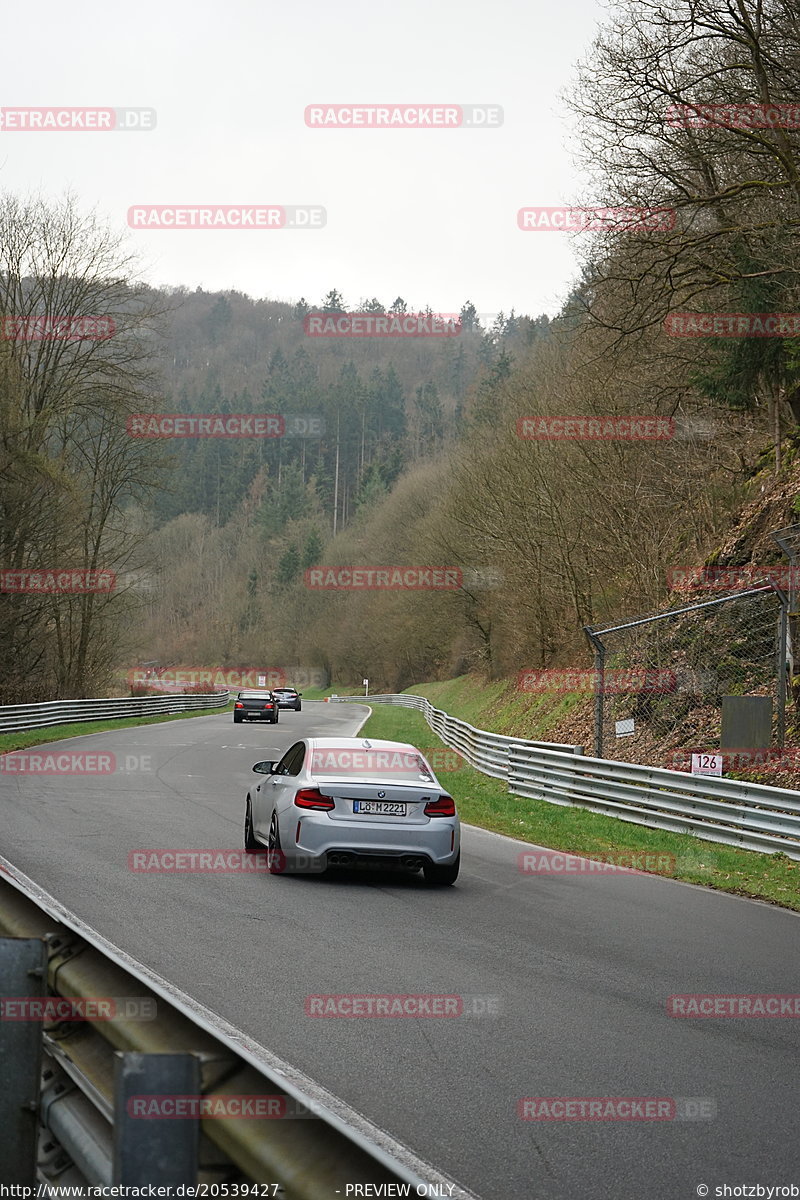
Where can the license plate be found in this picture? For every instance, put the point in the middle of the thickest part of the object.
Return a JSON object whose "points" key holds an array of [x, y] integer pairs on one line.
{"points": [[379, 808]]}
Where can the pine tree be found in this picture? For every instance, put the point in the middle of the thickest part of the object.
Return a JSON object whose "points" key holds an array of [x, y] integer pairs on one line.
{"points": [[288, 565], [333, 302], [469, 317], [312, 550]]}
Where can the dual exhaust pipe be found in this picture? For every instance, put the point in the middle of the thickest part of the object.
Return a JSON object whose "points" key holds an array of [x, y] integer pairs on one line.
{"points": [[347, 858]]}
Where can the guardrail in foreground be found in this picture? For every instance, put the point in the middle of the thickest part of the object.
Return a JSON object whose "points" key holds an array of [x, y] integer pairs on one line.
{"points": [[14, 717], [67, 1087], [752, 816]]}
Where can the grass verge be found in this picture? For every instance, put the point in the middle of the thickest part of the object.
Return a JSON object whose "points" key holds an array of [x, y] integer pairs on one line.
{"points": [[501, 706], [24, 738], [485, 802]]}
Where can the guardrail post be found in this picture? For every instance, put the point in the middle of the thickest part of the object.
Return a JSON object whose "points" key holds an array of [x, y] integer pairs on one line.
{"points": [[23, 970], [782, 664], [599, 688], [152, 1149]]}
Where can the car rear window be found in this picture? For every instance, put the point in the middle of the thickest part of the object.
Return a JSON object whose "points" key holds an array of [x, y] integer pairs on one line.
{"points": [[405, 765]]}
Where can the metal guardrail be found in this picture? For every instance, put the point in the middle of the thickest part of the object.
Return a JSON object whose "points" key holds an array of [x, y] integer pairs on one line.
{"points": [[66, 1088], [487, 752], [752, 816], [749, 815], [14, 717]]}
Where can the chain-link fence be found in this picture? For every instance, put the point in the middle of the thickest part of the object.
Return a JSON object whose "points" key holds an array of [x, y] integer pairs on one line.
{"points": [[789, 541], [660, 679]]}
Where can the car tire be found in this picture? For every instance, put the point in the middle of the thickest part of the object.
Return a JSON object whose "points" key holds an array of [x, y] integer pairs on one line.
{"points": [[297, 708], [250, 843], [237, 720], [275, 858], [442, 876]]}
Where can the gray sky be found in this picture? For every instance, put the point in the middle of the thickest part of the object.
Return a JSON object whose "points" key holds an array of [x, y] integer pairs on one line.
{"points": [[426, 214]]}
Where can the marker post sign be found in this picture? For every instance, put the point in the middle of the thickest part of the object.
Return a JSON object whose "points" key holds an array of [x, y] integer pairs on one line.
{"points": [[707, 764]]}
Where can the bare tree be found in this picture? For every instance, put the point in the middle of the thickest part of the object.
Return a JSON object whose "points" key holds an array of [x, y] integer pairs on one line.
{"points": [[78, 358], [689, 109]]}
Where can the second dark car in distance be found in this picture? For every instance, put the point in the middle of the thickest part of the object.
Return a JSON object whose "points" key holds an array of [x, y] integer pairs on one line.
{"points": [[255, 706], [288, 698]]}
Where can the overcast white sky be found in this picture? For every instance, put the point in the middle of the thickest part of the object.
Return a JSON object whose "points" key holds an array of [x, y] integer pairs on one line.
{"points": [[426, 214]]}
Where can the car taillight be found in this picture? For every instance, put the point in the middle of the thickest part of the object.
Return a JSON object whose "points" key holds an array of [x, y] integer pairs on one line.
{"points": [[313, 798], [445, 806], [238, 704], [267, 706]]}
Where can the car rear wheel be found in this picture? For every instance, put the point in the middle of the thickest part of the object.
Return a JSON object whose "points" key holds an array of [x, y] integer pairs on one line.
{"points": [[442, 875], [236, 719], [275, 859], [250, 842]]}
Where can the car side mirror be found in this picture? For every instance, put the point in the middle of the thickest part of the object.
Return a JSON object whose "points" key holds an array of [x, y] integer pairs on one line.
{"points": [[264, 768], [299, 693]]}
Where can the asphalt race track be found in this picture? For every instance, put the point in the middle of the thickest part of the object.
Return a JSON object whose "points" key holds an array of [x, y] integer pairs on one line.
{"points": [[577, 968]]}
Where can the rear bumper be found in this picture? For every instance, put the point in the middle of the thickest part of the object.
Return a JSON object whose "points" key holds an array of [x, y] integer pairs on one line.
{"points": [[437, 842]]}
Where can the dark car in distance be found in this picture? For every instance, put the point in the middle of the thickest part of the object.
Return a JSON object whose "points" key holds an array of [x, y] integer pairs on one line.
{"points": [[255, 706], [288, 698]]}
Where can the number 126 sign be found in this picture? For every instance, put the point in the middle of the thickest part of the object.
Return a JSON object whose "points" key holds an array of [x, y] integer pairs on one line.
{"points": [[706, 764]]}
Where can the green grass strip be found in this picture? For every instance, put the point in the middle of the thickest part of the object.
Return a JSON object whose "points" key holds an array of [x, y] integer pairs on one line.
{"points": [[24, 738]]}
